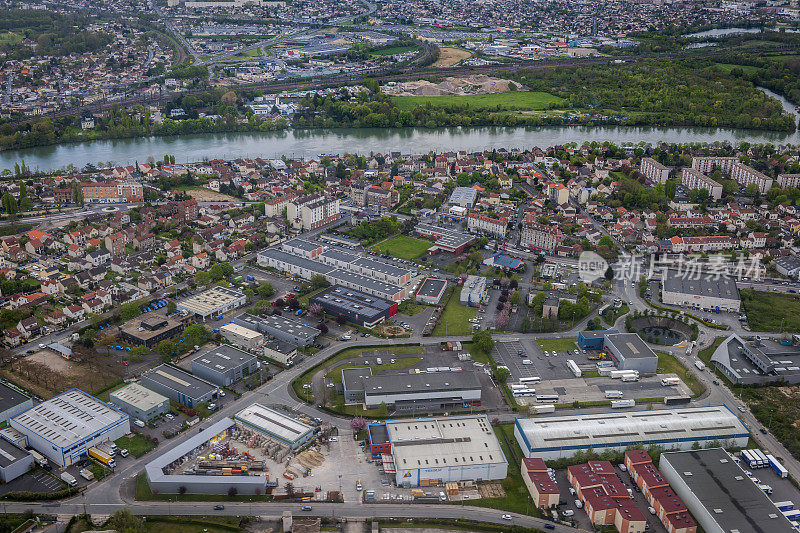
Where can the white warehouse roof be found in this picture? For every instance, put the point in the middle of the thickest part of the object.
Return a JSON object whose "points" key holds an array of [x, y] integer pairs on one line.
{"points": [[605, 430], [273, 423]]}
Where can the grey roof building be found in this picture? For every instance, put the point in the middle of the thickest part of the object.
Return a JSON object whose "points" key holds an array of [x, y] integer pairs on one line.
{"points": [[12, 402], [431, 291], [359, 308], [280, 327], [718, 493], [700, 290], [13, 461], [224, 365], [139, 402], [788, 265], [179, 385], [757, 362], [214, 301], [630, 352]]}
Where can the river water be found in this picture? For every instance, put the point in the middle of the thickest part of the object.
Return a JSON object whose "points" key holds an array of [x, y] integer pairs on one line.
{"points": [[312, 143]]}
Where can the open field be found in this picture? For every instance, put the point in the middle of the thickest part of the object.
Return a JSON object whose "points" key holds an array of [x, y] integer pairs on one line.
{"points": [[136, 444], [455, 317], [394, 50], [449, 56], [207, 195], [510, 101], [768, 311], [10, 38], [558, 345], [403, 247], [727, 67]]}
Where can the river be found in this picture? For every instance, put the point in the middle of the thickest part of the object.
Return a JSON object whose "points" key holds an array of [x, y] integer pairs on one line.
{"points": [[312, 143]]}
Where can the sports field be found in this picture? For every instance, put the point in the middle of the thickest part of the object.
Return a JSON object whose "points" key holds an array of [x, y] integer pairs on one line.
{"points": [[511, 101]]}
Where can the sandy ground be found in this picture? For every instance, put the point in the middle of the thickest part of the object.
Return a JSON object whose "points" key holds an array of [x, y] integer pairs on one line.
{"points": [[56, 363], [452, 86], [207, 195], [451, 56]]}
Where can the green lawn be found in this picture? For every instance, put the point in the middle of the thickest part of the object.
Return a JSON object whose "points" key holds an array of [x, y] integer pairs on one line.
{"points": [[455, 317], [479, 356], [98, 470], [769, 311], [405, 362], [727, 67], [394, 50], [511, 101], [10, 38], [517, 498], [136, 445], [403, 247], [668, 364], [558, 345]]}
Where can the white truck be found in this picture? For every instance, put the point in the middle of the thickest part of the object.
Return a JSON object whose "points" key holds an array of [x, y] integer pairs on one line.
{"points": [[700, 365], [69, 479], [668, 382], [39, 458]]}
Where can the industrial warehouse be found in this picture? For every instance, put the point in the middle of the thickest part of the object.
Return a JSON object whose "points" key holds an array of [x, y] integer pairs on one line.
{"points": [[758, 361], [139, 402], [213, 302], [553, 437], [719, 494], [64, 427], [285, 429], [178, 385], [700, 291], [630, 352], [357, 307], [150, 330], [433, 451], [279, 327], [422, 391], [224, 365], [431, 291], [164, 476]]}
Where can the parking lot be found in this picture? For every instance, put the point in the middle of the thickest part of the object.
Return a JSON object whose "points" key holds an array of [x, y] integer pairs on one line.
{"points": [[546, 367]]}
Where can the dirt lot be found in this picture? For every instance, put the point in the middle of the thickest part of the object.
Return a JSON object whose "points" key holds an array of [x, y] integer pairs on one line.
{"points": [[452, 86], [47, 373], [207, 195], [451, 56]]}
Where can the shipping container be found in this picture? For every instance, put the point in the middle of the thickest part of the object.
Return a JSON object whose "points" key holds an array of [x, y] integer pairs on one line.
{"points": [[542, 409], [762, 458], [784, 506], [87, 474], [614, 394], [102, 456], [630, 377], [69, 479], [668, 382], [777, 467], [622, 404], [39, 458], [573, 367], [533, 379], [700, 365], [677, 400]]}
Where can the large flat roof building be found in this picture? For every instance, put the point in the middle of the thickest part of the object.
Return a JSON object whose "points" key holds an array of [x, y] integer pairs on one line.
{"points": [[214, 301], [357, 307], [139, 402], [179, 385], [279, 426], [698, 290], [431, 291], [12, 402], [224, 365], [447, 239], [758, 361], [150, 330], [443, 450], [553, 437], [463, 196], [718, 493], [13, 461], [280, 327], [422, 391], [241, 336], [65, 426], [630, 352]]}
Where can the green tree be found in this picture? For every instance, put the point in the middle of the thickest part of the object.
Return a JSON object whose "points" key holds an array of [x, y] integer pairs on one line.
{"points": [[483, 341], [171, 307], [138, 353], [383, 410], [9, 206], [166, 347], [318, 281], [128, 311], [265, 290], [501, 375], [125, 521], [609, 273]]}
